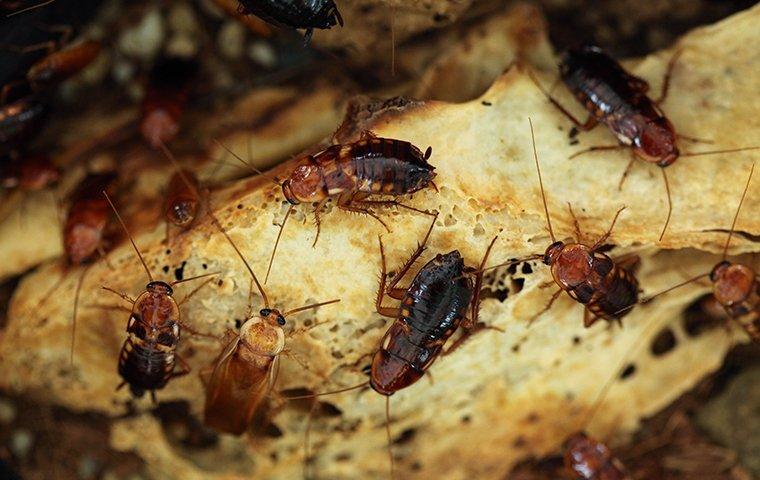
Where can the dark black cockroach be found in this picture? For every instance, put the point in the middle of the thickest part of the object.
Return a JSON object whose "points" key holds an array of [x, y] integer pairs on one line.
{"points": [[306, 14], [619, 100]]}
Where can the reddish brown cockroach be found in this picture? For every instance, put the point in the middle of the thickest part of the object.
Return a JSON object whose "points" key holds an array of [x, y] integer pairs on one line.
{"points": [[607, 289], [147, 358], [588, 459], [431, 309], [32, 172], [165, 98], [246, 369], [735, 286], [352, 173], [182, 199], [619, 100]]}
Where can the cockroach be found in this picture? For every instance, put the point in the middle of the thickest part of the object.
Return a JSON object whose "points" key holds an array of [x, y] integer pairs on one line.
{"points": [[619, 100], [606, 288], [148, 357], [352, 173], [182, 199], [87, 218], [431, 309], [30, 173], [735, 285], [19, 120], [588, 459], [306, 14], [246, 369], [165, 98]]}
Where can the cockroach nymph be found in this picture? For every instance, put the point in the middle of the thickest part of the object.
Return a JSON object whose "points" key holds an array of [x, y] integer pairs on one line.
{"points": [[306, 14], [606, 288], [147, 360], [244, 373], [619, 100], [431, 309], [735, 286], [588, 459]]}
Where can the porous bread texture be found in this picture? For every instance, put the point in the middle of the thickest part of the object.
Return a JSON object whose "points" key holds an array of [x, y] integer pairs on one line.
{"points": [[502, 396]]}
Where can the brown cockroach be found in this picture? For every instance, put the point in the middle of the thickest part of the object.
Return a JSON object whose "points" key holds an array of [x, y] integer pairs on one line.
{"points": [[588, 459], [30, 173], [619, 100], [431, 309], [245, 371], [352, 173], [735, 286], [148, 357], [606, 288], [182, 199], [20, 120], [165, 98]]}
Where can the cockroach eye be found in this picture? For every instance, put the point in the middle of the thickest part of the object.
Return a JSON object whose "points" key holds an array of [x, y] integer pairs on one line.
{"points": [[281, 320], [264, 312]]}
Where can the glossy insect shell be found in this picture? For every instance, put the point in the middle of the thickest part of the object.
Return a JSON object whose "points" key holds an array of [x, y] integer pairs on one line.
{"points": [[381, 166], [294, 13], [87, 218], [431, 311], [593, 279], [182, 202], [147, 358], [735, 287], [63, 64], [19, 120], [619, 100], [587, 459], [242, 374]]}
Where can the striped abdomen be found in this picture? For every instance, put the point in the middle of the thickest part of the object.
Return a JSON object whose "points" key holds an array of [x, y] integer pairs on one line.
{"points": [[145, 366], [431, 311], [294, 13], [376, 165]]}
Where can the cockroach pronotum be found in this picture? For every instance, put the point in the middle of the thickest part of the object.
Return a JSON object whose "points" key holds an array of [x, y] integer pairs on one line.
{"points": [[29, 173], [245, 371], [352, 173], [431, 309], [165, 98], [606, 288], [619, 100], [306, 14], [147, 358], [735, 286]]}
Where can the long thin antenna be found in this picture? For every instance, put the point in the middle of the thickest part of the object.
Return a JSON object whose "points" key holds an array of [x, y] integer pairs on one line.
{"points": [[541, 181], [670, 203], [277, 242], [32, 7], [308, 307], [126, 230], [181, 171], [74, 314], [715, 152], [218, 225], [674, 287], [736, 215], [347, 389], [247, 164]]}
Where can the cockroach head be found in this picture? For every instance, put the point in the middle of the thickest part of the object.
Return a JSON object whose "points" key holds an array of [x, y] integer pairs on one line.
{"points": [[657, 142], [160, 288], [303, 184], [552, 252], [273, 316]]}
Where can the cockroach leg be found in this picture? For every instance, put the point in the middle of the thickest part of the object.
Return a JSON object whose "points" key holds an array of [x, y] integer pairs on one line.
{"points": [[589, 318], [590, 122], [194, 291], [382, 288], [668, 75], [597, 148], [576, 224], [348, 204], [626, 171], [317, 219], [607, 234], [546, 308], [123, 295], [183, 365]]}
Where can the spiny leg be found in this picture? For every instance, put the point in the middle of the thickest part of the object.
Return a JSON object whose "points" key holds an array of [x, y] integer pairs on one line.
{"points": [[667, 77], [122, 295], [607, 234], [392, 291], [626, 171], [382, 310], [597, 148], [353, 206], [317, 219], [589, 124]]}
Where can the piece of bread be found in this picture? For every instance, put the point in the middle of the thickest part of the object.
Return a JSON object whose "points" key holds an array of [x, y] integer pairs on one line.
{"points": [[502, 396]]}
